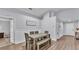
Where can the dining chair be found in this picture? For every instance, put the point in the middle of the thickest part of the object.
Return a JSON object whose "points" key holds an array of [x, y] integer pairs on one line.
{"points": [[45, 36], [32, 32], [29, 42], [50, 39], [46, 32], [36, 32]]}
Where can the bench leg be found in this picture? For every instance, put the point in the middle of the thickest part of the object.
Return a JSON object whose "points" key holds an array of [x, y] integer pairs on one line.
{"points": [[37, 47]]}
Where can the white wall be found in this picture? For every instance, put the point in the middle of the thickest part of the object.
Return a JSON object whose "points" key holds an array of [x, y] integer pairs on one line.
{"points": [[70, 28], [59, 29], [5, 27], [22, 28], [19, 24], [49, 24], [78, 24], [36, 27]]}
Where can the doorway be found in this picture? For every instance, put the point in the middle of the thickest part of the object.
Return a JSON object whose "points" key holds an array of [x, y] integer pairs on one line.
{"points": [[6, 28]]}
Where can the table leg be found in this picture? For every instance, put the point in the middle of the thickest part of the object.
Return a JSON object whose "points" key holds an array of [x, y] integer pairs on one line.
{"points": [[28, 46]]}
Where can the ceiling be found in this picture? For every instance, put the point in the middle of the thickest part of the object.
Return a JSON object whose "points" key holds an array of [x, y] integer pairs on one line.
{"points": [[39, 12], [63, 14], [36, 12], [69, 15]]}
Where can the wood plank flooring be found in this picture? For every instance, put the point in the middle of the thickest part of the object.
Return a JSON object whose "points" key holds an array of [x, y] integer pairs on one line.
{"points": [[65, 43], [4, 42], [20, 46]]}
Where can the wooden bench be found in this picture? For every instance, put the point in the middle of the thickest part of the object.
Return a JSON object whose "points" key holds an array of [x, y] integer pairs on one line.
{"points": [[42, 42]]}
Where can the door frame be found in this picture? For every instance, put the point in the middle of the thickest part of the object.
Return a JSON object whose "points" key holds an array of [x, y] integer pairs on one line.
{"points": [[11, 20]]}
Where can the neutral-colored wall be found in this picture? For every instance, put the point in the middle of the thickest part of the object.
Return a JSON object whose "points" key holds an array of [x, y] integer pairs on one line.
{"points": [[70, 28], [22, 28], [36, 27], [49, 24], [19, 25], [53, 25], [59, 29], [5, 27]]}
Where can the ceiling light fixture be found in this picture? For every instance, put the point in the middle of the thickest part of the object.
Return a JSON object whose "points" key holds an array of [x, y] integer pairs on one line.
{"points": [[30, 8]]}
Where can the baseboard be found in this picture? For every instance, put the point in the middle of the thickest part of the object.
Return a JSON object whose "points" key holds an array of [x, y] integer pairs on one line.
{"points": [[19, 42], [60, 37], [69, 35]]}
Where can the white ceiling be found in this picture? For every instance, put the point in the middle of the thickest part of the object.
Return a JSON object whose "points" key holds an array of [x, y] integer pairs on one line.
{"points": [[37, 12], [63, 14], [69, 15], [41, 11]]}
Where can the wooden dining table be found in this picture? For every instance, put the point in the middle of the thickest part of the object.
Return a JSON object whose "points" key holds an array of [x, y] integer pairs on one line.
{"points": [[37, 36]]}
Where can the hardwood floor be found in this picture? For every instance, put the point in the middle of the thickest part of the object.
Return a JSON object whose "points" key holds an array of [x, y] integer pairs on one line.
{"points": [[65, 43], [20, 46], [4, 42]]}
